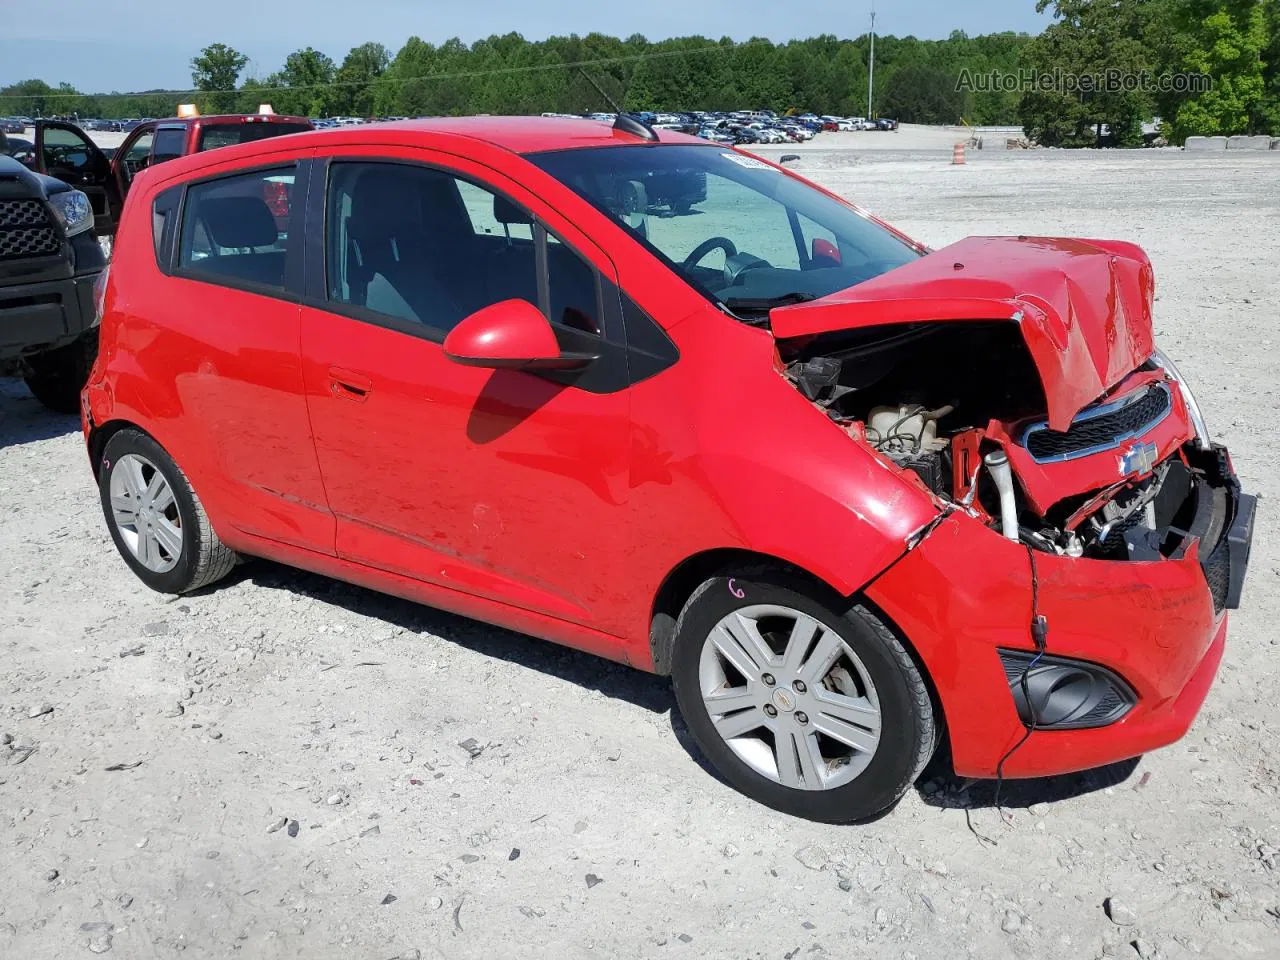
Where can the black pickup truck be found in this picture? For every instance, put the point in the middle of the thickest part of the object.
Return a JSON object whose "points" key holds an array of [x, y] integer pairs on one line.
{"points": [[50, 259]]}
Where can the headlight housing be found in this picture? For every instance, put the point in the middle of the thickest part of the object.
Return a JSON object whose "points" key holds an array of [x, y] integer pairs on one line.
{"points": [[1197, 418], [73, 210]]}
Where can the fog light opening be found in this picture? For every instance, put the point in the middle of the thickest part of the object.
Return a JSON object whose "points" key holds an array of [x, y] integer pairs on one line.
{"points": [[1065, 694]]}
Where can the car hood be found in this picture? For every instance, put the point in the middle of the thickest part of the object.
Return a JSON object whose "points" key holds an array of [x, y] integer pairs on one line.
{"points": [[1083, 306]]}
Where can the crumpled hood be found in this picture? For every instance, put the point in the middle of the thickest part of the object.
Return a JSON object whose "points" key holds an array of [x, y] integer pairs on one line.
{"points": [[1084, 306]]}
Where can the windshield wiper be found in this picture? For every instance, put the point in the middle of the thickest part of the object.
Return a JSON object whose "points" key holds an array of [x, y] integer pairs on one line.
{"points": [[765, 304]]}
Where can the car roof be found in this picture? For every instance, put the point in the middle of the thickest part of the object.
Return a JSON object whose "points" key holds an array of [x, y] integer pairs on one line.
{"points": [[519, 135], [526, 134]]}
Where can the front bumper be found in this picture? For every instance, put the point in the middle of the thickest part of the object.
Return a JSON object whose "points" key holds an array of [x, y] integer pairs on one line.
{"points": [[39, 316], [965, 592], [46, 302]]}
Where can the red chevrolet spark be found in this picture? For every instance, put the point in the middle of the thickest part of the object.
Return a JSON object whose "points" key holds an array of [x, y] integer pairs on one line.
{"points": [[668, 403]]}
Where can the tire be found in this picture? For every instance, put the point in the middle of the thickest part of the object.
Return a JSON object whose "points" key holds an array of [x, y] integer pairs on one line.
{"points": [[872, 671], [57, 376], [184, 554]]}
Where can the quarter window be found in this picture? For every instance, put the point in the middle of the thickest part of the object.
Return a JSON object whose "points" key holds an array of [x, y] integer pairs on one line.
{"points": [[234, 229], [162, 223]]}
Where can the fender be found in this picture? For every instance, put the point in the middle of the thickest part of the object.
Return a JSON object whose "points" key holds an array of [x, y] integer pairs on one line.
{"points": [[738, 474]]}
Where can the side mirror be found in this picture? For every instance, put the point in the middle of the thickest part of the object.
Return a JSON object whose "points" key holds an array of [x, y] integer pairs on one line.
{"points": [[512, 334], [824, 249]]}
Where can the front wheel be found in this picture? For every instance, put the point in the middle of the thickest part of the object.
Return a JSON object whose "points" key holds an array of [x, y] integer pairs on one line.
{"points": [[156, 520], [817, 713]]}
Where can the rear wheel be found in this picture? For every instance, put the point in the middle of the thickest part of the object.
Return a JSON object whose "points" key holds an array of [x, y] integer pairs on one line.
{"points": [[156, 520], [57, 376], [816, 712]]}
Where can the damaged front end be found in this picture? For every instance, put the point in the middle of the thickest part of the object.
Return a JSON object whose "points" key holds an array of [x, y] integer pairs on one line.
{"points": [[980, 414], [958, 408], [1080, 497]]}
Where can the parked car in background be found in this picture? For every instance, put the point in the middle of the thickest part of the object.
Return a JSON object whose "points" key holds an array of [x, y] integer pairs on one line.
{"points": [[65, 151], [50, 261], [854, 496], [12, 125]]}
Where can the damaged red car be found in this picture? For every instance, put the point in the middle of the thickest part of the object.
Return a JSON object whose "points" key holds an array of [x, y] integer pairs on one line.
{"points": [[671, 404]]}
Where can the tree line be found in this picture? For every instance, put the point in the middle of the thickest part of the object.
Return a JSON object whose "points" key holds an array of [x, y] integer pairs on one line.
{"points": [[1129, 48], [915, 79], [1234, 44]]}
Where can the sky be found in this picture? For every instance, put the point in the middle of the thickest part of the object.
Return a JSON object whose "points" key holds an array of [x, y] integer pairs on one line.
{"points": [[148, 44]]}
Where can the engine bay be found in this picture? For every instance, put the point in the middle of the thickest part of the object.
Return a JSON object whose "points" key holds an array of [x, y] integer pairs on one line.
{"points": [[955, 406]]}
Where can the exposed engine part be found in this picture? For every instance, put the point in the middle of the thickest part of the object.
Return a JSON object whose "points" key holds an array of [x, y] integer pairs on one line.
{"points": [[906, 429], [966, 462], [930, 467], [816, 378], [998, 466], [934, 399], [1120, 515]]}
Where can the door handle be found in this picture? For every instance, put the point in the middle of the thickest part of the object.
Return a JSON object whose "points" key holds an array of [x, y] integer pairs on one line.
{"points": [[347, 385]]}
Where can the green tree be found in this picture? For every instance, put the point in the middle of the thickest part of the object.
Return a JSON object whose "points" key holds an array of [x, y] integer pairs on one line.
{"points": [[921, 93], [305, 84], [1092, 42], [1225, 40], [354, 87], [29, 98], [215, 70]]}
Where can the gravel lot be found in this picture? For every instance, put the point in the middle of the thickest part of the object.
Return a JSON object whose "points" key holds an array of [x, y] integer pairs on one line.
{"points": [[273, 768]]}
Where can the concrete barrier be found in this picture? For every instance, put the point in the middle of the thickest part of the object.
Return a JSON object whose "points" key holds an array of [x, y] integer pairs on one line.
{"points": [[1249, 143], [1205, 144]]}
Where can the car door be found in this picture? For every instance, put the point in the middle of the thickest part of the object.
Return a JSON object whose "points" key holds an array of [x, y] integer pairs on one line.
{"points": [[66, 152], [229, 316], [131, 157], [503, 484]]}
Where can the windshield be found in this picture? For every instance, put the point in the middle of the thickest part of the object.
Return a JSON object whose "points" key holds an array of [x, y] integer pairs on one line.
{"points": [[742, 232], [229, 134]]}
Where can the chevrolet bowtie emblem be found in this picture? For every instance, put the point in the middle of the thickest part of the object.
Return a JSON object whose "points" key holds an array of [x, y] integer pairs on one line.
{"points": [[1139, 459]]}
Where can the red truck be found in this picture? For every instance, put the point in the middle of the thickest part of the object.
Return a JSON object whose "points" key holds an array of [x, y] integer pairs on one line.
{"points": [[64, 151]]}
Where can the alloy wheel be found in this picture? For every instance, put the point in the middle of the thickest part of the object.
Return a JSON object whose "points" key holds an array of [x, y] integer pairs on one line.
{"points": [[146, 513], [790, 697]]}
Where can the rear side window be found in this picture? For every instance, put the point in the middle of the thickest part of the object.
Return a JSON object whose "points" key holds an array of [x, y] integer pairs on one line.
{"points": [[163, 217], [234, 230], [167, 145]]}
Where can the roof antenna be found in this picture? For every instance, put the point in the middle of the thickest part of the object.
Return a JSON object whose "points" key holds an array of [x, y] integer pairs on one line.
{"points": [[624, 121]]}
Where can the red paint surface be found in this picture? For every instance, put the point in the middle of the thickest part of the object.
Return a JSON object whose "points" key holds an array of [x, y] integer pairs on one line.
{"points": [[506, 332]]}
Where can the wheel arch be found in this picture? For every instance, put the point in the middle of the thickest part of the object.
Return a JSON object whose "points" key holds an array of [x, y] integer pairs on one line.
{"points": [[100, 435], [680, 583], [678, 586]]}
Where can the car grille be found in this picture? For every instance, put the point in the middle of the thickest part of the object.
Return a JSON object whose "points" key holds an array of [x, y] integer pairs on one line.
{"points": [[26, 230], [1100, 428]]}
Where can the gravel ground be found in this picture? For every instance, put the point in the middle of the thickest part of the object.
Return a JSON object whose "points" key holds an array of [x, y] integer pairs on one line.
{"points": [[286, 766]]}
